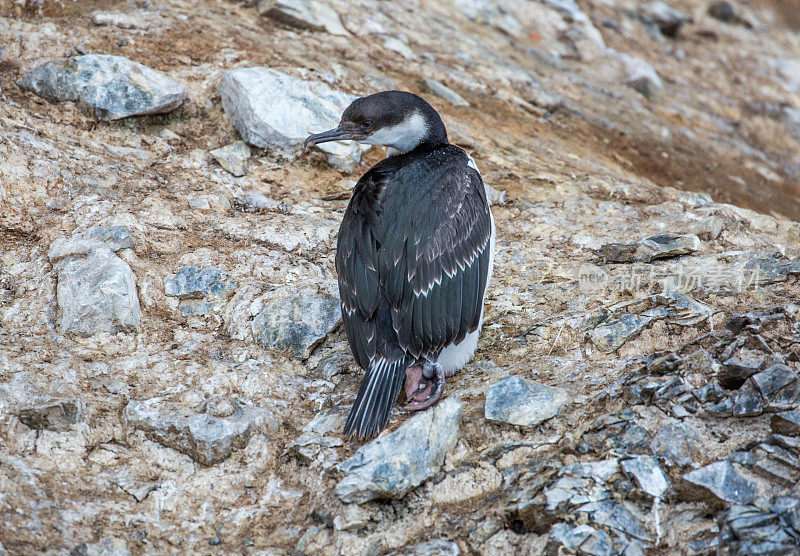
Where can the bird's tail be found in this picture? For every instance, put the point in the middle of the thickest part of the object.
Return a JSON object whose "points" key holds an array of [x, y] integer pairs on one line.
{"points": [[376, 398]]}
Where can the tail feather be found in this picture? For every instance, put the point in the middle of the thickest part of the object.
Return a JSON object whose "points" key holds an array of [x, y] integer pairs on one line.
{"points": [[376, 398]]}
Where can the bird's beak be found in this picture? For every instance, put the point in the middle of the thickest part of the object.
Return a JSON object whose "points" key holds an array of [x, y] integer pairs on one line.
{"points": [[338, 134]]}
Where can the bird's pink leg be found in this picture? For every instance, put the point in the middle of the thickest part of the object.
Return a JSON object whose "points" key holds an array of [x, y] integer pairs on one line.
{"points": [[426, 388]]}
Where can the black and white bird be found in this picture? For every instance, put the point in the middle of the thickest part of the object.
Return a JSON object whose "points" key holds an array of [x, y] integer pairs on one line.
{"points": [[414, 256]]}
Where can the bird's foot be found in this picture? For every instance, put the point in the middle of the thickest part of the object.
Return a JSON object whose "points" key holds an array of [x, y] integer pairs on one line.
{"points": [[424, 386]]}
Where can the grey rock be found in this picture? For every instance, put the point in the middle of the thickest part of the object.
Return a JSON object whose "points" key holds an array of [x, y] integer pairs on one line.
{"points": [[115, 237], [614, 515], [723, 481], [96, 289], [667, 19], [522, 402], [678, 443], [199, 282], [615, 432], [584, 539], [256, 201], [746, 529], [273, 110], [660, 246], [55, 415], [610, 336], [233, 157], [786, 423], [747, 401], [203, 437], [112, 86], [723, 11], [648, 474], [709, 228], [393, 464], [771, 380], [296, 323], [735, 372], [107, 546], [303, 14], [446, 93]]}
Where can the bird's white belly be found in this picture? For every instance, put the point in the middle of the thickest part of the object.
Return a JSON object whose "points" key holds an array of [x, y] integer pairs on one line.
{"points": [[453, 357]]}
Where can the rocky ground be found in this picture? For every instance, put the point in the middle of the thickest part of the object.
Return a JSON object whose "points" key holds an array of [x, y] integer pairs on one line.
{"points": [[172, 374]]}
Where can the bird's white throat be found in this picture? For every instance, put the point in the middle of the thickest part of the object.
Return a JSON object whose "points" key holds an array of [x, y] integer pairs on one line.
{"points": [[402, 137]]}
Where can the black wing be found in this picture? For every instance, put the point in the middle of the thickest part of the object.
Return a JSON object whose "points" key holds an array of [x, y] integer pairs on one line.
{"points": [[413, 255], [434, 260]]}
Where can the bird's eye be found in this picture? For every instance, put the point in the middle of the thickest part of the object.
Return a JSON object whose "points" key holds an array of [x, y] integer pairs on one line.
{"points": [[366, 125]]}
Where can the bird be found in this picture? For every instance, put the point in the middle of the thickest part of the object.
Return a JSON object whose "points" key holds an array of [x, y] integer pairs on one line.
{"points": [[414, 256]]}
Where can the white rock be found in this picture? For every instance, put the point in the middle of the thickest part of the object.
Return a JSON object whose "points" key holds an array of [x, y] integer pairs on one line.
{"points": [[446, 93], [96, 289], [276, 111], [233, 157]]}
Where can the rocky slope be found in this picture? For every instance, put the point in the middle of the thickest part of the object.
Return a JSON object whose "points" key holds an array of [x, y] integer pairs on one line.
{"points": [[172, 374]]}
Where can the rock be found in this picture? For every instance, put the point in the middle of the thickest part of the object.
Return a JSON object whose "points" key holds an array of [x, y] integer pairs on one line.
{"points": [[393, 464], [723, 481], [122, 20], [303, 14], [197, 282], [522, 402], [112, 86], [296, 323], [612, 335], [746, 529], [723, 11], [709, 228], [584, 539], [96, 289], [440, 547], [614, 515], [678, 443], [735, 372], [656, 247], [786, 423], [273, 110], [615, 432], [641, 77], [203, 437], [256, 201], [233, 157], [201, 290], [55, 415], [648, 474], [115, 237], [446, 93], [667, 19]]}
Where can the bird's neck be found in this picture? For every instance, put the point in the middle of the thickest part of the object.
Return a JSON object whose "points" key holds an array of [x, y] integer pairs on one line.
{"points": [[422, 128]]}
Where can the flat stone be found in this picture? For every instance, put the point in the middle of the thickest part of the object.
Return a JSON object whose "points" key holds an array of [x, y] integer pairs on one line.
{"points": [[522, 402], [275, 111], [54, 415], [96, 290], [233, 157], [648, 474], [124, 20], [199, 282], [660, 246], [446, 93], [303, 14], [614, 515], [203, 437], [112, 86], [296, 323], [723, 481], [786, 423], [678, 443], [393, 464], [610, 336], [584, 539], [771, 380]]}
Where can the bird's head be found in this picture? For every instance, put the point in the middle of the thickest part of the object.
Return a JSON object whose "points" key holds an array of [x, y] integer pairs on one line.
{"points": [[396, 119]]}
